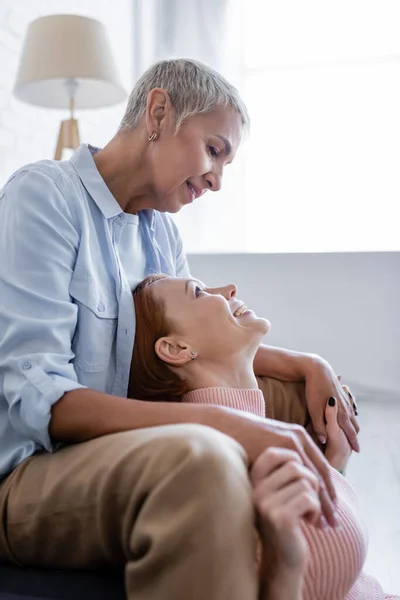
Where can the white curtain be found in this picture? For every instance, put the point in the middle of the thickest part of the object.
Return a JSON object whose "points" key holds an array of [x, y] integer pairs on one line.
{"points": [[210, 31], [206, 30]]}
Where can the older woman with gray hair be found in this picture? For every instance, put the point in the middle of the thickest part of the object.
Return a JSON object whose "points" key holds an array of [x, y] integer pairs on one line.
{"points": [[88, 476]]}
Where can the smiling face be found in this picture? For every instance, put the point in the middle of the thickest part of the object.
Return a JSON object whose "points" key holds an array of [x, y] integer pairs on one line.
{"points": [[211, 322], [188, 161]]}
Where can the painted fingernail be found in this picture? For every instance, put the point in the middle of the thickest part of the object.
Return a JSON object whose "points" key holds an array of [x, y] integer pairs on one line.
{"points": [[356, 413], [350, 394], [322, 439], [331, 401], [354, 406]]}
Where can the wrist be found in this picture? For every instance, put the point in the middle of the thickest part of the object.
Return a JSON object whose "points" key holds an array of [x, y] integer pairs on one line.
{"points": [[310, 363], [339, 463], [284, 585]]}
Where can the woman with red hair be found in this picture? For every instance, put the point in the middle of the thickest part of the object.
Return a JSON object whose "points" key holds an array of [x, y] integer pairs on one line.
{"points": [[195, 344]]}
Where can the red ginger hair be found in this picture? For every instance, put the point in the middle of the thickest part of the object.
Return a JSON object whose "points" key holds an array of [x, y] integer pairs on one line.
{"points": [[150, 377]]}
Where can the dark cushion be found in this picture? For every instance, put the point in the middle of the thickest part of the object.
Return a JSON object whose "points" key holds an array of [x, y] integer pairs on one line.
{"points": [[20, 583]]}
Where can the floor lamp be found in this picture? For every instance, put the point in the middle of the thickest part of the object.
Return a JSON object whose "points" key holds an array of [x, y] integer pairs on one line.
{"points": [[67, 62]]}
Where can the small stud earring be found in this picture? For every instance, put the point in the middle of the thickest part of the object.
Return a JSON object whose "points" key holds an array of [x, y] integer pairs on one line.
{"points": [[153, 137], [193, 354]]}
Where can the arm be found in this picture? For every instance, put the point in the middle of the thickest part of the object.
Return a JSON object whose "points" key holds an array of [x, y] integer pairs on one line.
{"points": [[321, 383], [84, 414], [37, 318], [284, 586], [285, 495], [286, 365]]}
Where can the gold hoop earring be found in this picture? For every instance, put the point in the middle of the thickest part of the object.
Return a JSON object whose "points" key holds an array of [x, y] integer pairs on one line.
{"points": [[153, 137]]}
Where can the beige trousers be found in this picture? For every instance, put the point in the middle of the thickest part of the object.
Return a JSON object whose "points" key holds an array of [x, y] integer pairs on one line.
{"points": [[173, 504], [286, 401]]}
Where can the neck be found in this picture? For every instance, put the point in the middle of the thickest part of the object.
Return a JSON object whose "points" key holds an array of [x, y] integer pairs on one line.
{"points": [[237, 374], [123, 166]]}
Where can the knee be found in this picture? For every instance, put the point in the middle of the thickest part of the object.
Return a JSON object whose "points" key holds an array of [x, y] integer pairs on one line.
{"points": [[194, 459], [210, 447], [213, 460]]}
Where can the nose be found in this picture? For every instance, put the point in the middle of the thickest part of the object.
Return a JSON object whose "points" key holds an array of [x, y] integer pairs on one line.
{"points": [[227, 291], [214, 181]]}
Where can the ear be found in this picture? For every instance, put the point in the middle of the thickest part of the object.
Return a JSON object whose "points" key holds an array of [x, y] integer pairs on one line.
{"points": [[173, 352], [159, 110]]}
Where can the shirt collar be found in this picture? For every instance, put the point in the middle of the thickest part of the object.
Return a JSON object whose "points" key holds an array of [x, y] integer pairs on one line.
{"points": [[84, 165]]}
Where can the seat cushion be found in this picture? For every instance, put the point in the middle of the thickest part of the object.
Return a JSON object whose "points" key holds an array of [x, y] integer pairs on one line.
{"points": [[14, 597], [18, 583]]}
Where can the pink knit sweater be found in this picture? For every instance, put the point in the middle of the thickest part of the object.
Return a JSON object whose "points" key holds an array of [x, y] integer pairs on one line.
{"points": [[336, 557]]}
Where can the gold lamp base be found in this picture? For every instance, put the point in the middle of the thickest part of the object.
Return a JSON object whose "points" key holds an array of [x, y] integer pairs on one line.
{"points": [[67, 138]]}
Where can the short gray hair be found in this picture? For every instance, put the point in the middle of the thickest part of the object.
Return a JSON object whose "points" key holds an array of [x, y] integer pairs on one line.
{"points": [[193, 87]]}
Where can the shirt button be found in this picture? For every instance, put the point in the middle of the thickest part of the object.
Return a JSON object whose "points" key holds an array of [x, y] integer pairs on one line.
{"points": [[26, 364], [101, 307], [126, 332]]}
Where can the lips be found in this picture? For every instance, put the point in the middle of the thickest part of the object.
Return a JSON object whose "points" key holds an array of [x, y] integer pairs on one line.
{"points": [[240, 310], [196, 191]]}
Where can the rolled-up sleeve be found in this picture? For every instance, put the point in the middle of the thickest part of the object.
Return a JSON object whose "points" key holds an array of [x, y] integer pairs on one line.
{"points": [[38, 245]]}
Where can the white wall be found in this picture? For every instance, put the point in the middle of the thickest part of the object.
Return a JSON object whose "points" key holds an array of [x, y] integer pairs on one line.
{"points": [[345, 307], [29, 133]]}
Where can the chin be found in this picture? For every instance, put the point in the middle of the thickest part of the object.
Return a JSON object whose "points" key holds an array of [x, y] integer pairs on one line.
{"points": [[256, 331], [260, 326], [265, 325], [166, 202], [173, 205], [173, 209]]}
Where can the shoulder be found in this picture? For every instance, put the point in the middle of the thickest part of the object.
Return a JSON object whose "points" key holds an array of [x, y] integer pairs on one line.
{"points": [[47, 171], [44, 184]]}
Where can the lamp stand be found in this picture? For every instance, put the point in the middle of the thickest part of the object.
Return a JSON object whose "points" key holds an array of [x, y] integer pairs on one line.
{"points": [[68, 136]]}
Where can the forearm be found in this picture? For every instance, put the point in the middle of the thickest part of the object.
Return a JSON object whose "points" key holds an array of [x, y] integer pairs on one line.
{"points": [[338, 462], [284, 586], [282, 364], [84, 414]]}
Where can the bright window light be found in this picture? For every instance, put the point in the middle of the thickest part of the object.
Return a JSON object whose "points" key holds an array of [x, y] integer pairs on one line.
{"points": [[322, 82]]}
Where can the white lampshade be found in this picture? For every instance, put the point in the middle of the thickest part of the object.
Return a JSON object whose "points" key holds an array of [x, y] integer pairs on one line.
{"points": [[59, 48]]}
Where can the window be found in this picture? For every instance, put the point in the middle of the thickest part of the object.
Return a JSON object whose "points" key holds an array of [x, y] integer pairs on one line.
{"points": [[322, 165]]}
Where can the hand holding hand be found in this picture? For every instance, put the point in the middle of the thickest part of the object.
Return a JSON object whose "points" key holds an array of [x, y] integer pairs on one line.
{"points": [[321, 384], [256, 435], [285, 494]]}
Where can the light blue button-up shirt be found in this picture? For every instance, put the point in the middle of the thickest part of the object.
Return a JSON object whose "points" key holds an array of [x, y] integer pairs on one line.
{"points": [[66, 308]]}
